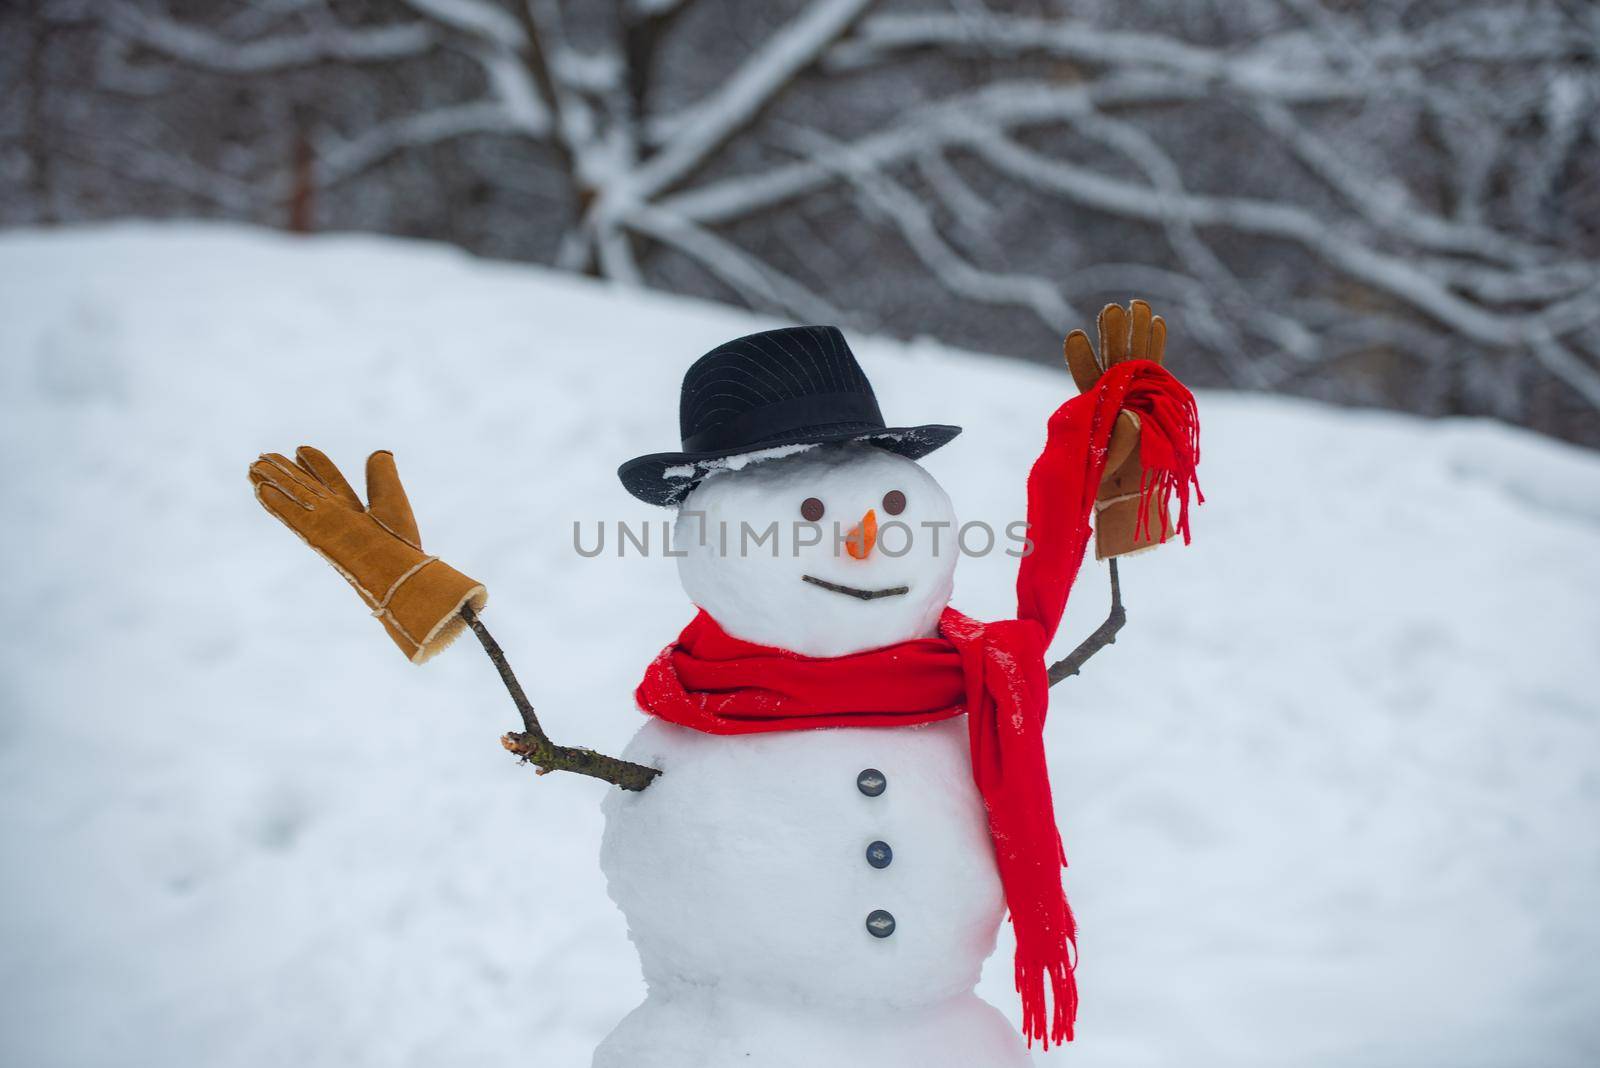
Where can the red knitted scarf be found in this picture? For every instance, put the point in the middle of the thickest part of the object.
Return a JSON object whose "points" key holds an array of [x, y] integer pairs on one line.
{"points": [[994, 672]]}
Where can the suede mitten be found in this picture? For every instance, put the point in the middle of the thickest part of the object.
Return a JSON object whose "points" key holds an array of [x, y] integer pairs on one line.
{"points": [[376, 546], [1124, 335]]}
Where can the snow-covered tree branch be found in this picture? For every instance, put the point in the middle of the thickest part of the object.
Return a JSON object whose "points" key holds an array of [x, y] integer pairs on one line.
{"points": [[1391, 205]]}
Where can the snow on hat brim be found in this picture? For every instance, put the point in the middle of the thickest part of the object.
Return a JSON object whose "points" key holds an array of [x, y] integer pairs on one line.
{"points": [[665, 478]]}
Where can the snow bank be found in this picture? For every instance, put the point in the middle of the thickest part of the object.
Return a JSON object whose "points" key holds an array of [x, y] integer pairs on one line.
{"points": [[1330, 800]]}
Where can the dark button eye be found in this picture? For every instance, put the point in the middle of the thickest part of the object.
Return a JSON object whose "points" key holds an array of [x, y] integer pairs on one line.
{"points": [[811, 509], [894, 502]]}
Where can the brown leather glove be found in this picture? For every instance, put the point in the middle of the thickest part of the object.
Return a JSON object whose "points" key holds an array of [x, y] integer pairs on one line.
{"points": [[376, 546], [1130, 335]]}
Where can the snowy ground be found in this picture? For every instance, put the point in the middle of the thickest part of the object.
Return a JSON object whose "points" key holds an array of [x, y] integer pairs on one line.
{"points": [[1332, 800]]}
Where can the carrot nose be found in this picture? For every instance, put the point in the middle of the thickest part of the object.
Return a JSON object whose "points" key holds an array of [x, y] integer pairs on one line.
{"points": [[863, 536]]}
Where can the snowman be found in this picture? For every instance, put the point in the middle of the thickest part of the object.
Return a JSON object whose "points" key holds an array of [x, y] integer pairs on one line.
{"points": [[839, 792]]}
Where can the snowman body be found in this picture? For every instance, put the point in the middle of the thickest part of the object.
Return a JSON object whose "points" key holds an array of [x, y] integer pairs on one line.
{"points": [[745, 875], [810, 897]]}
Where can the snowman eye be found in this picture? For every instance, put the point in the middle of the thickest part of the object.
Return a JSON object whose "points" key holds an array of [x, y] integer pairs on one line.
{"points": [[811, 509], [894, 502]]}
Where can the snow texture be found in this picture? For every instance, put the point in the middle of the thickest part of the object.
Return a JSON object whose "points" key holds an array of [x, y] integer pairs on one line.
{"points": [[736, 462], [1329, 800]]}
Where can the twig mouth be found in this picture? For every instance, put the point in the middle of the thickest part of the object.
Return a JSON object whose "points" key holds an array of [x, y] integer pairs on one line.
{"points": [[865, 595]]}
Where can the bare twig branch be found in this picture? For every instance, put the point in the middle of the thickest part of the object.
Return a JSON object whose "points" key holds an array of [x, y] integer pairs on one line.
{"points": [[377, 44], [536, 56], [746, 93], [643, 28], [339, 159], [1105, 634], [1389, 273], [535, 747], [752, 278], [1429, 217], [487, 21], [883, 195]]}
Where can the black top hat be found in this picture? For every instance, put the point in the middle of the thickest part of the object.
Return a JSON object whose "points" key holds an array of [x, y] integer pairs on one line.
{"points": [[797, 386]]}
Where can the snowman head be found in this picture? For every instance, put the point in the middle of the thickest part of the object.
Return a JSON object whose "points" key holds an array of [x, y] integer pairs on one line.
{"points": [[835, 550]]}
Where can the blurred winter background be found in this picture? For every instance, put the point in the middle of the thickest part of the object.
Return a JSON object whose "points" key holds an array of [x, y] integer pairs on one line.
{"points": [[1332, 798]]}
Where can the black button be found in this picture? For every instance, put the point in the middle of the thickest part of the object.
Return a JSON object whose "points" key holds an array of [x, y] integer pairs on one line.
{"points": [[871, 782], [879, 854], [880, 924]]}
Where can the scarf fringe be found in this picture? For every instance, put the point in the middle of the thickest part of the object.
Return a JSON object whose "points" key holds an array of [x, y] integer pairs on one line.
{"points": [[1173, 473], [1063, 1008]]}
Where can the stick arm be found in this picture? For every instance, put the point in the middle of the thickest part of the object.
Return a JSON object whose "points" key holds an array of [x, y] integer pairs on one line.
{"points": [[535, 747], [1105, 634]]}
